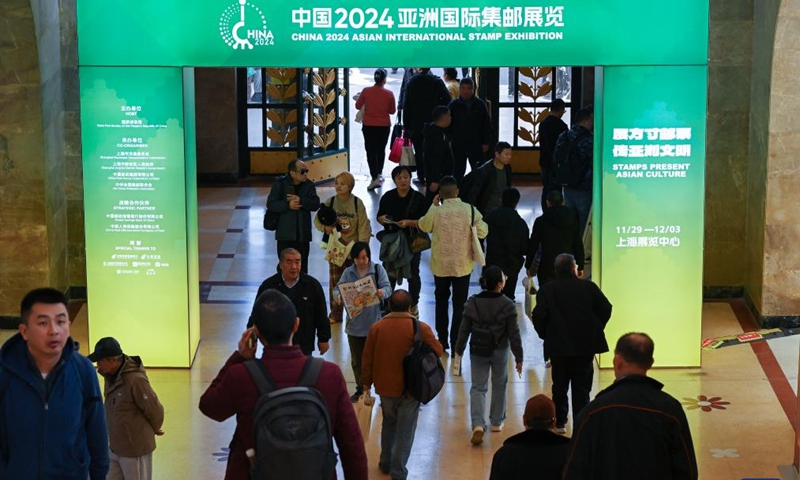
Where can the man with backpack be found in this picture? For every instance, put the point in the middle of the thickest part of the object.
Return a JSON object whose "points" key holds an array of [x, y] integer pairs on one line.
{"points": [[388, 343], [302, 449], [573, 165]]}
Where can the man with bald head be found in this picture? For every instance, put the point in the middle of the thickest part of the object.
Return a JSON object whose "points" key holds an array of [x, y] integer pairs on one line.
{"points": [[632, 429]]}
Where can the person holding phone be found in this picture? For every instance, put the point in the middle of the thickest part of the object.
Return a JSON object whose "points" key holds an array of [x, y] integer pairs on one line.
{"points": [[294, 197]]}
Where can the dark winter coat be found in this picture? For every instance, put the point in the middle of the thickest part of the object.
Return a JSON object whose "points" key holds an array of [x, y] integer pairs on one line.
{"points": [[632, 429], [539, 454], [507, 241], [499, 313], [556, 232], [309, 300], [549, 131], [583, 150], [53, 428], [438, 153], [470, 125], [570, 315], [423, 93], [293, 225], [476, 185]]}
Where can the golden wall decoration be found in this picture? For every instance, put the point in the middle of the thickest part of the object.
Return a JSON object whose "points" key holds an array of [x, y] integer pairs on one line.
{"points": [[282, 88], [324, 104], [540, 86]]}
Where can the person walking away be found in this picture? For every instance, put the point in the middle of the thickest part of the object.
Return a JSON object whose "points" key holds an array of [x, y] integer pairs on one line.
{"points": [[570, 316], [490, 322], [549, 131], [451, 220], [379, 104], [358, 325], [133, 413], [353, 225], [507, 241], [554, 232], [424, 91], [438, 151], [387, 344]]}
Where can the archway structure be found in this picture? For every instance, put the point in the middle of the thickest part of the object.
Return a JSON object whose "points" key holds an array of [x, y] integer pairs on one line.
{"points": [[137, 102]]}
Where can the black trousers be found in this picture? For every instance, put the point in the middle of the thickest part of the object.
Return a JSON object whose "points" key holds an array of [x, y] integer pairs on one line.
{"points": [[415, 282], [301, 247], [460, 287], [511, 283], [548, 184], [461, 154], [375, 140], [418, 140], [575, 372], [356, 352]]}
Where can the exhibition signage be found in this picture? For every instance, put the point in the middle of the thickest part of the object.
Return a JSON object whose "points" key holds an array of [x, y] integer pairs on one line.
{"points": [[653, 163], [363, 33], [136, 214]]}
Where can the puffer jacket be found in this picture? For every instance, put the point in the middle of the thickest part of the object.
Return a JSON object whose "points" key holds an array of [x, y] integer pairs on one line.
{"points": [[53, 428], [133, 412], [499, 313]]}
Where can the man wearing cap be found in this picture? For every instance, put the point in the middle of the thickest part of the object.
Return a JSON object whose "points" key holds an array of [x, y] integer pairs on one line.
{"points": [[536, 452], [133, 413]]}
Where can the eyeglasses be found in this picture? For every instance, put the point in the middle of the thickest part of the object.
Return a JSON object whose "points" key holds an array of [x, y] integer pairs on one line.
{"points": [[302, 171]]}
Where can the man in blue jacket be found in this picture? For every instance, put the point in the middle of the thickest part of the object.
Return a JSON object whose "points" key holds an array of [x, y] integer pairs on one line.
{"points": [[52, 422]]}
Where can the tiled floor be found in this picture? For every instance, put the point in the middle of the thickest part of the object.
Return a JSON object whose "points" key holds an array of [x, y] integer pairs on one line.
{"points": [[745, 433]]}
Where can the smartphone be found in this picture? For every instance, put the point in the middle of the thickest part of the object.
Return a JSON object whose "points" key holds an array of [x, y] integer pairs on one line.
{"points": [[251, 341]]}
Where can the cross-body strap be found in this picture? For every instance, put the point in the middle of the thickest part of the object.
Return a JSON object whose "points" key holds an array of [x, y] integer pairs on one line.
{"points": [[260, 375], [310, 374]]}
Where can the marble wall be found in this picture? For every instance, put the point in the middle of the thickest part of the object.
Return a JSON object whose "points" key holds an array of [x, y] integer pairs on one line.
{"points": [[781, 262], [24, 246], [217, 140], [729, 73]]}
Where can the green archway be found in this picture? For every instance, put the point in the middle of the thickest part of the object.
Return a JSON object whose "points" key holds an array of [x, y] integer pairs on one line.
{"points": [[138, 137]]}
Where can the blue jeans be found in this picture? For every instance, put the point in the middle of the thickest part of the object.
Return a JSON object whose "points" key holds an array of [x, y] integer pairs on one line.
{"points": [[397, 434], [498, 363], [581, 200]]}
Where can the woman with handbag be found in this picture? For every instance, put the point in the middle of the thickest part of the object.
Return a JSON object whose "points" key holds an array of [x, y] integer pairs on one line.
{"points": [[368, 312], [490, 319], [378, 105], [398, 211], [352, 225]]}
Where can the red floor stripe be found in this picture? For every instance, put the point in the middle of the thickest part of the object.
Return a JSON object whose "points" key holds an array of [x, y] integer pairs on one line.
{"points": [[773, 371]]}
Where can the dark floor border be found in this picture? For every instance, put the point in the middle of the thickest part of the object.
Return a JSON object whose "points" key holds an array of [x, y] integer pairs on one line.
{"points": [[770, 321], [219, 178]]}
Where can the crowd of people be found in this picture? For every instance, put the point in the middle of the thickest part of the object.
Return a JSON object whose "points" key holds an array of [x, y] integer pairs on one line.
{"points": [[631, 430]]}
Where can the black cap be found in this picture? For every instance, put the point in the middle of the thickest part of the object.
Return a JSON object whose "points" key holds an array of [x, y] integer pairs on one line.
{"points": [[105, 348]]}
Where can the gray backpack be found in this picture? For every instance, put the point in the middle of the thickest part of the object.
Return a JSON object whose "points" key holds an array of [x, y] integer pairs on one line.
{"points": [[292, 427]]}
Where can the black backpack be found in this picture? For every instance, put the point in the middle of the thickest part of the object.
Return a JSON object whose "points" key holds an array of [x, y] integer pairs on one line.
{"points": [[292, 427], [482, 342], [423, 372], [567, 168]]}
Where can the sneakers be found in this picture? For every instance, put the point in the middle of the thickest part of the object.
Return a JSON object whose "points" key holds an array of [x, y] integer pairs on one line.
{"points": [[560, 429], [498, 428], [477, 436], [374, 184]]}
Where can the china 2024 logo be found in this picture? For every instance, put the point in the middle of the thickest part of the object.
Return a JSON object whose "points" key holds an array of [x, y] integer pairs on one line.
{"points": [[243, 25]]}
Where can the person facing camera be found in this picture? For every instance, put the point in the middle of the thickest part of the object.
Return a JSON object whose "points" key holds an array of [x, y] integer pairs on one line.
{"points": [[490, 322]]}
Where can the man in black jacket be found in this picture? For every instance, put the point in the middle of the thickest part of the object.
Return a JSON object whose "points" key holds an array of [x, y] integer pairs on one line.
{"points": [[555, 232], [632, 429], [471, 128], [537, 452], [438, 151], [424, 91], [549, 131], [570, 316], [507, 241], [484, 186], [306, 294], [294, 197]]}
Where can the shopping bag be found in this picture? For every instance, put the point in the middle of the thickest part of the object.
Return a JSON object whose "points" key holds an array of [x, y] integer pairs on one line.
{"points": [[407, 157], [397, 149], [530, 296], [337, 251], [477, 250], [364, 414], [397, 131]]}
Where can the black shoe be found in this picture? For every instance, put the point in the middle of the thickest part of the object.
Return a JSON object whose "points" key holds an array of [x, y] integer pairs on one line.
{"points": [[384, 469], [354, 397], [445, 345]]}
